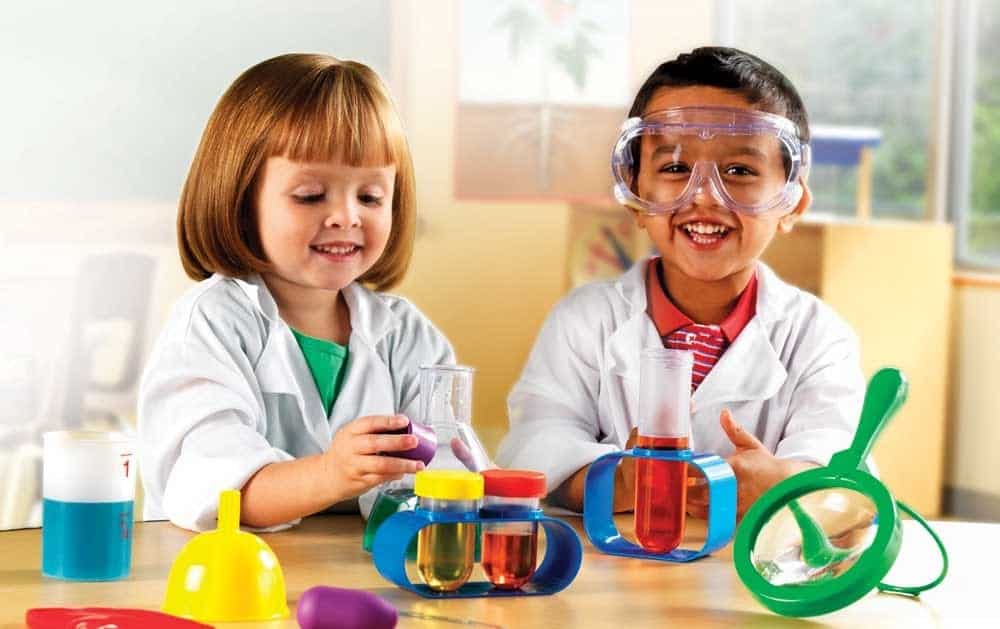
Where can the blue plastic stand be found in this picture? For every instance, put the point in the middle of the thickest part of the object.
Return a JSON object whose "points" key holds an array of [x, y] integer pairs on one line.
{"points": [[563, 552], [598, 501]]}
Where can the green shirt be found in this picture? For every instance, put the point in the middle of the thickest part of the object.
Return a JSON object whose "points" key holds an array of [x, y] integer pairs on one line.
{"points": [[326, 361]]}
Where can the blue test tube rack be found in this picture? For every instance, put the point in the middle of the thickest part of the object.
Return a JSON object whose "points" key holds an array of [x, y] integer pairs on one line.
{"points": [[598, 504], [563, 551]]}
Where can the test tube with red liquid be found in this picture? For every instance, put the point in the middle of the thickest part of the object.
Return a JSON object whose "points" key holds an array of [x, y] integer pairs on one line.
{"points": [[510, 549], [664, 424]]}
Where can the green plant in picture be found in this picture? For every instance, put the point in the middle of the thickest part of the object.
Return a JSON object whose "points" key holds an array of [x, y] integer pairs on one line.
{"points": [[565, 38]]}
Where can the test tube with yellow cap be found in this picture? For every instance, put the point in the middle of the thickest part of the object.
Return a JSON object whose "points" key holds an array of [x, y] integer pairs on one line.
{"points": [[446, 551]]}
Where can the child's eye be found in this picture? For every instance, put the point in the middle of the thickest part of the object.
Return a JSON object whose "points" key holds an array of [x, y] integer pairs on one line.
{"points": [[675, 168], [740, 171], [373, 200], [309, 198]]}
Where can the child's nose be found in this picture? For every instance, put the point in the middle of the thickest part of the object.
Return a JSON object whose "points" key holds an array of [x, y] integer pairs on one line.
{"points": [[343, 215], [706, 195]]}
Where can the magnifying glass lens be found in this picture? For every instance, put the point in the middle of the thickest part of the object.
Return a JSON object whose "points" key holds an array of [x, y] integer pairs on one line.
{"points": [[816, 537]]}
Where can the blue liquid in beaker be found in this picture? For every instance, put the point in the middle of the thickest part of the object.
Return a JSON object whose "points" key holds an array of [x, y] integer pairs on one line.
{"points": [[86, 541]]}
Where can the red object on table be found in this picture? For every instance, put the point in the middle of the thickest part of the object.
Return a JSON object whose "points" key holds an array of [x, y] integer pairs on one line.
{"points": [[97, 617]]}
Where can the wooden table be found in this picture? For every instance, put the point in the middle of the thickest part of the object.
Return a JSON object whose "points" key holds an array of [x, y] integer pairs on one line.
{"points": [[609, 591]]}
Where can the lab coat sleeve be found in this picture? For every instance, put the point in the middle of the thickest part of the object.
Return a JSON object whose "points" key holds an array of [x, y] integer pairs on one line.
{"points": [[826, 402], [552, 408], [200, 422]]}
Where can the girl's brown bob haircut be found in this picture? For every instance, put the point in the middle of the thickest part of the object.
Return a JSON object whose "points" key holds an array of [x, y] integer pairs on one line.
{"points": [[305, 107]]}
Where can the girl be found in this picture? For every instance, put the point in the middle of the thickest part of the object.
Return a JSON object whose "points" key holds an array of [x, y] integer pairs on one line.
{"points": [[276, 373]]}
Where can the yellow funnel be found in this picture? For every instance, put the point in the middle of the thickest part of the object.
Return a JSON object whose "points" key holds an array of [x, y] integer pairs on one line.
{"points": [[226, 575]]}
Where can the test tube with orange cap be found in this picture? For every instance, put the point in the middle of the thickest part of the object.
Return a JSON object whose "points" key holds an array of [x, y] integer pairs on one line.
{"points": [[510, 549]]}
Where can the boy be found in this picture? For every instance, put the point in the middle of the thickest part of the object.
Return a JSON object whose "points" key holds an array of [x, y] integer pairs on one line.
{"points": [[712, 164]]}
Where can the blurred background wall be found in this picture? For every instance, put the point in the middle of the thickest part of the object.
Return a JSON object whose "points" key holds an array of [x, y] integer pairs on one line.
{"points": [[510, 108]]}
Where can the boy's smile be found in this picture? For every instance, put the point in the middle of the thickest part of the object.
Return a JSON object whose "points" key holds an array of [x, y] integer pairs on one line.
{"points": [[704, 232]]}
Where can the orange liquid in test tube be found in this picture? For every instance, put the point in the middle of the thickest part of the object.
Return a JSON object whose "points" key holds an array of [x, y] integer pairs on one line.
{"points": [[660, 496], [509, 560]]}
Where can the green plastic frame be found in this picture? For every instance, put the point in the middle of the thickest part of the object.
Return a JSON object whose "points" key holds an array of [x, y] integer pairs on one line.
{"points": [[886, 393], [813, 599]]}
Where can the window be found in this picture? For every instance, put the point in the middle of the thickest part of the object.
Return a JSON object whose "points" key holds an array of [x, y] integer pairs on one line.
{"points": [[865, 72], [978, 206]]}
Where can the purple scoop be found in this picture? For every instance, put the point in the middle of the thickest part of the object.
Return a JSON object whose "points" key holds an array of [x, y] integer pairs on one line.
{"points": [[324, 607], [426, 442]]}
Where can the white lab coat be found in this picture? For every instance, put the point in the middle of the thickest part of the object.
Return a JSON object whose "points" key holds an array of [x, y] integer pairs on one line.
{"points": [[227, 390], [792, 378]]}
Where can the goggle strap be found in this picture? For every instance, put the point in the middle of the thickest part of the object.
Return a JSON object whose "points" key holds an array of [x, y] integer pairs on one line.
{"points": [[916, 590]]}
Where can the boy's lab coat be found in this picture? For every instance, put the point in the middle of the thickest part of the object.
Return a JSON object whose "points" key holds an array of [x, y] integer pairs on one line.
{"points": [[792, 378], [227, 390]]}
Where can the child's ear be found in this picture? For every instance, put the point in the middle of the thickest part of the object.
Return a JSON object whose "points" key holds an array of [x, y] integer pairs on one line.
{"points": [[786, 222]]}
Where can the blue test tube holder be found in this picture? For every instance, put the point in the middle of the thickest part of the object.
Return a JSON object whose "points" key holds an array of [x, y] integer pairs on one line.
{"points": [[599, 493], [563, 551]]}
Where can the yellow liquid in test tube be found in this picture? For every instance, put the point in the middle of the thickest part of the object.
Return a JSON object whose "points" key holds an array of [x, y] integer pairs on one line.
{"points": [[445, 555]]}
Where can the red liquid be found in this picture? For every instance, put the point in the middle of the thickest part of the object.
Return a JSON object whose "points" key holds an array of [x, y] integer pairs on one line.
{"points": [[509, 560], [660, 496]]}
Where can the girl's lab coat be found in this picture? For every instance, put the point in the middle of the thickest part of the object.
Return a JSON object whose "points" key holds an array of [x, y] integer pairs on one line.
{"points": [[227, 390], [792, 378]]}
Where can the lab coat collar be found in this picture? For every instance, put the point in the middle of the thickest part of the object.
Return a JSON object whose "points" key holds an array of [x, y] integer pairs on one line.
{"points": [[285, 370], [750, 369], [371, 318]]}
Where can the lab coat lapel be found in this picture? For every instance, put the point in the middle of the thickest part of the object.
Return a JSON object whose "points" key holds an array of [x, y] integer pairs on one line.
{"points": [[282, 369], [748, 370], [367, 381], [624, 349]]}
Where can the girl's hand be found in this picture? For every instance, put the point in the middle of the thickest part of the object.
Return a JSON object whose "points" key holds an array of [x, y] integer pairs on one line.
{"points": [[355, 461]]}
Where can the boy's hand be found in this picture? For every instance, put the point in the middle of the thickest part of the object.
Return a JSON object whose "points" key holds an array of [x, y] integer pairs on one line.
{"points": [[756, 469], [353, 462]]}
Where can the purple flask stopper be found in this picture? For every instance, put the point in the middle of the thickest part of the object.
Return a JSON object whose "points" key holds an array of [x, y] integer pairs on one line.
{"points": [[324, 607], [426, 442]]}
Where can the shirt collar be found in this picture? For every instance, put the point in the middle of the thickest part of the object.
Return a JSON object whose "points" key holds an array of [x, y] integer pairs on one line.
{"points": [[668, 318], [371, 317]]}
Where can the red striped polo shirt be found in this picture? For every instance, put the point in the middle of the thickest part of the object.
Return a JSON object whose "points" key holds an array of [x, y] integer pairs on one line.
{"points": [[678, 331]]}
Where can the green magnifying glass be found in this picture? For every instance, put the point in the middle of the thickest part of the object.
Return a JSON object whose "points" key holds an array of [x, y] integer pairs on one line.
{"points": [[820, 540]]}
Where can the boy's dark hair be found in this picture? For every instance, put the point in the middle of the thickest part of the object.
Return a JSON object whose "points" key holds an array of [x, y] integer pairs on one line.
{"points": [[730, 69]]}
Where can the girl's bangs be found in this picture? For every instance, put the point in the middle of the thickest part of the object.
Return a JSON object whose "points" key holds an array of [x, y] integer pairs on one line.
{"points": [[338, 118]]}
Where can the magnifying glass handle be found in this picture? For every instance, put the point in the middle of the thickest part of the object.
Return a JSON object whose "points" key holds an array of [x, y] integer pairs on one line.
{"points": [[887, 390]]}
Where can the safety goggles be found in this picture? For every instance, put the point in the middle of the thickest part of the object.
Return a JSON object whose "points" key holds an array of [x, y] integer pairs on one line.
{"points": [[749, 161]]}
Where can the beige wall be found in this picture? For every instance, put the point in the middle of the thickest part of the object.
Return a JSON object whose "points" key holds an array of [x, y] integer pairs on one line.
{"points": [[971, 474]]}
